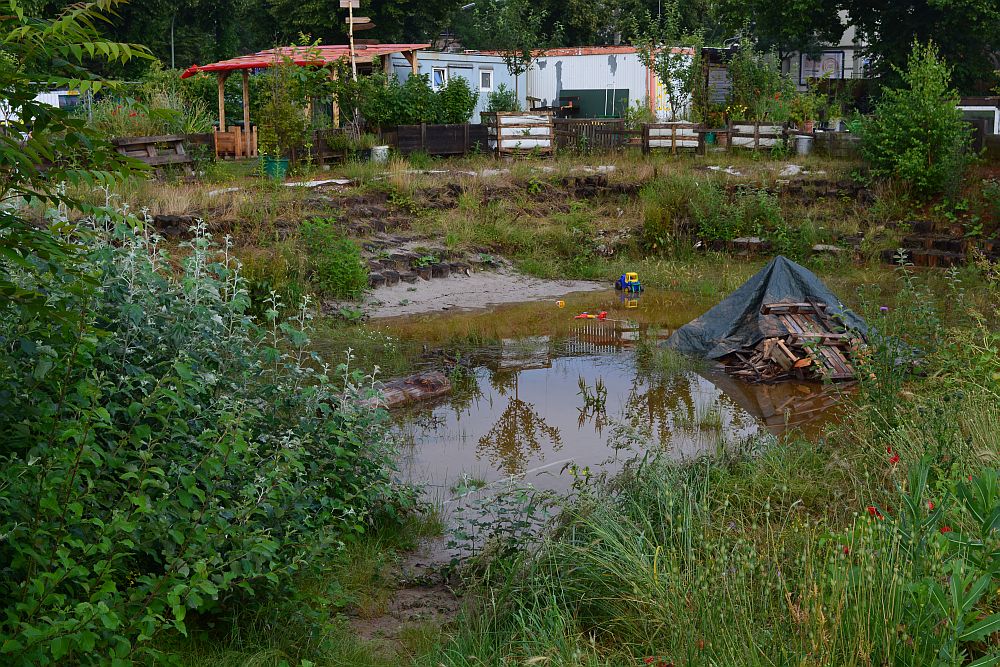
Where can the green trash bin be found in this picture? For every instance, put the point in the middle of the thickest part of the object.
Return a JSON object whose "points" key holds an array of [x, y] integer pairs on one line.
{"points": [[275, 167]]}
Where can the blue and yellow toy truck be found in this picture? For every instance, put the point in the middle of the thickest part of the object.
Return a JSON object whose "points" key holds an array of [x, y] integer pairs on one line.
{"points": [[629, 282]]}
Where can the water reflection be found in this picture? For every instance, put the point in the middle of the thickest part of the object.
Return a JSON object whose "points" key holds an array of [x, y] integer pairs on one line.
{"points": [[520, 432], [529, 415]]}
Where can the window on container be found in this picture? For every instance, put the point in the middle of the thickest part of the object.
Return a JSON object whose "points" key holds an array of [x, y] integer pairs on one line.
{"points": [[485, 80], [69, 101], [439, 78]]}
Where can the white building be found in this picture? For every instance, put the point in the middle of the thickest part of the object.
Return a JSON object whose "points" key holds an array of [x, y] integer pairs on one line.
{"points": [[601, 80], [835, 61]]}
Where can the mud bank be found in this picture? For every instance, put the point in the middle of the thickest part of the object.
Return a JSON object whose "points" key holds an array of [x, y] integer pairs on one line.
{"points": [[476, 291]]}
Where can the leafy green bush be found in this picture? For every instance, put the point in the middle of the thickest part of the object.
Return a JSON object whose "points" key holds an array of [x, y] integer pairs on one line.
{"points": [[382, 101], [502, 99], [335, 260], [456, 101], [166, 456], [917, 134]]}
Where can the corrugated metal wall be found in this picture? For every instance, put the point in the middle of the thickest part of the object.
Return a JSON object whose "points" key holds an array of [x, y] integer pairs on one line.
{"points": [[551, 75]]}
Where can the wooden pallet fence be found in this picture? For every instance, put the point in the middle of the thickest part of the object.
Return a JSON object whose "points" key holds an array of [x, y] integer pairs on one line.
{"points": [[233, 143], [755, 136], [520, 133], [592, 134], [673, 137], [444, 139], [156, 151]]}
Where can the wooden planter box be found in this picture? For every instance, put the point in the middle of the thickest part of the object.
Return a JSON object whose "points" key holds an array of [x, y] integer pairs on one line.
{"points": [[673, 137], [755, 135], [445, 139], [520, 133], [156, 151], [838, 145]]}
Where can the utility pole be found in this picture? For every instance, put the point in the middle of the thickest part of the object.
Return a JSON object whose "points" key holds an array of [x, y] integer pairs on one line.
{"points": [[172, 65]]}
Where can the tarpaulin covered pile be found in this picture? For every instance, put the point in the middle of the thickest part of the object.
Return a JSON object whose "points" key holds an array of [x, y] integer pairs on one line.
{"points": [[783, 302]]}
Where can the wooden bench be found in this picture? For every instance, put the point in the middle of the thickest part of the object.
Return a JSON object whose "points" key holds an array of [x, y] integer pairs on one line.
{"points": [[156, 151]]}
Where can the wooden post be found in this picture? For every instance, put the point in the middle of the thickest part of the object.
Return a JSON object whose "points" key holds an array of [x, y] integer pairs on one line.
{"points": [[222, 101], [336, 108], [246, 111], [386, 63], [411, 57]]}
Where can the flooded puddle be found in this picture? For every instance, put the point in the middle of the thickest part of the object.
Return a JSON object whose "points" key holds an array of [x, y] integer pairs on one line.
{"points": [[549, 395]]}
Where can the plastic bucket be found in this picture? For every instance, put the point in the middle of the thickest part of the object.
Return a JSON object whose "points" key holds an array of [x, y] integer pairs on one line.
{"points": [[380, 154], [803, 144], [275, 167], [710, 138]]}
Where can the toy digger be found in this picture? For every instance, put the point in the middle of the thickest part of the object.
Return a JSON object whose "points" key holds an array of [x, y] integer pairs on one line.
{"points": [[629, 282]]}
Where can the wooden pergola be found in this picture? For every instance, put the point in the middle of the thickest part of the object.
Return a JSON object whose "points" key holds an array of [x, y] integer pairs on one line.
{"points": [[245, 142]]}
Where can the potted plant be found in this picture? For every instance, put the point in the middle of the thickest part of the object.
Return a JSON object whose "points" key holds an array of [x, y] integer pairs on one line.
{"points": [[283, 125], [802, 112]]}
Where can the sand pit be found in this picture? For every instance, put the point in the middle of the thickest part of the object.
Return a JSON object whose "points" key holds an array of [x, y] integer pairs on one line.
{"points": [[479, 290]]}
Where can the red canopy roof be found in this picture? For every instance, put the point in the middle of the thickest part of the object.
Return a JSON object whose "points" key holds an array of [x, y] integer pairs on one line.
{"points": [[303, 56]]}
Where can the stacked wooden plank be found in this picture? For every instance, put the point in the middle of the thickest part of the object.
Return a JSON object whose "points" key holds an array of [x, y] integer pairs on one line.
{"points": [[520, 133], [673, 137], [811, 347]]}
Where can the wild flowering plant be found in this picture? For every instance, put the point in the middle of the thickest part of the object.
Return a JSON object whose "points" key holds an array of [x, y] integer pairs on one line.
{"points": [[166, 455]]}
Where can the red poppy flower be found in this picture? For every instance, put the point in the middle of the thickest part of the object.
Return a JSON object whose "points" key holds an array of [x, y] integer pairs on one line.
{"points": [[874, 512], [945, 529], [133, 114], [649, 661], [930, 505], [777, 96], [894, 459], [847, 550]]}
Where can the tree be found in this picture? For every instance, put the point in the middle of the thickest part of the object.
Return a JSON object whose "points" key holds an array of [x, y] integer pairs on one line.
{"points": [[658, 48], [515, 29], [917, 134], [785, 25], [967, 33], [42, 148]]}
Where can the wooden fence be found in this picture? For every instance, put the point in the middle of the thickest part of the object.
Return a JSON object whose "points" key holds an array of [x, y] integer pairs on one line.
{"points": [[592, 134], [454, 139], [673, 137], [520, 133]]}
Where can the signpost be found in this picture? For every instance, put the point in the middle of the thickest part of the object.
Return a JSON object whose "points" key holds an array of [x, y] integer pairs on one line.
{"points": [[351, 5]]}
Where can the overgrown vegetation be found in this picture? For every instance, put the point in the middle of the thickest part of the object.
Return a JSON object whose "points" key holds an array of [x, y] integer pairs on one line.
{"points": [[335, 261]]}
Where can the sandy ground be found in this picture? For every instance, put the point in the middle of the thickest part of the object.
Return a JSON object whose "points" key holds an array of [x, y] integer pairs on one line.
{"points": [[479, 290]]}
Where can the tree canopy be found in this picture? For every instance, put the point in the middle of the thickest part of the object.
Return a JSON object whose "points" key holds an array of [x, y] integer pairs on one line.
{"points": [[967, 31]]}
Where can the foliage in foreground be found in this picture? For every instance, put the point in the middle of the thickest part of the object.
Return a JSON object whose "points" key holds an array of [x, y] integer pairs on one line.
{"points": [[168, 456]]}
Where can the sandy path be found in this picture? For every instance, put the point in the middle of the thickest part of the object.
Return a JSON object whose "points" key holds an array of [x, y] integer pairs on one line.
{"points": [[479, 290]]}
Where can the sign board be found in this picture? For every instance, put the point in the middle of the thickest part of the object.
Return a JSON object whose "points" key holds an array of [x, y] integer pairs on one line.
{"points": [[829, 65], [719, 84], [350, 4], [364, 26], [357, 20]]}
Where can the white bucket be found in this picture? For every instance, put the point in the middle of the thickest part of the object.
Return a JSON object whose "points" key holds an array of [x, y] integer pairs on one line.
{"points": [[803, 144], [380, 154]]}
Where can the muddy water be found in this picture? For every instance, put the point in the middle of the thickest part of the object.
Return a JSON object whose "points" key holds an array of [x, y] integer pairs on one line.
{"points": [[524, 411]]}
